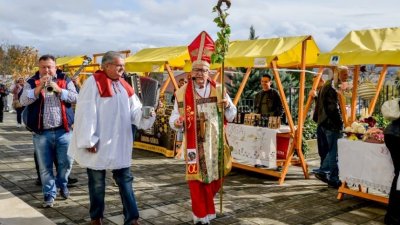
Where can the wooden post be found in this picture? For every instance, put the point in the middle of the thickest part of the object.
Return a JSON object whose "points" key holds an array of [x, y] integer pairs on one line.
{"points": [[217, 74], [282, 95], [171, 76], [378, 90], [165, 85], [354, 94], [240, 90], [342, 104], [314, 88], [300, 120]]}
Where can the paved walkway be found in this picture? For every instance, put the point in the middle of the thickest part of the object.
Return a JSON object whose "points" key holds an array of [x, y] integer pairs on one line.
{"points": [[163, 196]]}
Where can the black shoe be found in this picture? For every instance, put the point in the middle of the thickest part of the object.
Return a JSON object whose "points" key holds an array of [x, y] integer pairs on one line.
{"points": [[334, 184], [322, 177], [72, 180], [38, 182], [391, 220], [64, 193]]}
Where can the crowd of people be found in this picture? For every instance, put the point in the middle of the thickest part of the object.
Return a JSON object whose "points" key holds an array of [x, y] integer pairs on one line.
{"points": [[95, 133]]}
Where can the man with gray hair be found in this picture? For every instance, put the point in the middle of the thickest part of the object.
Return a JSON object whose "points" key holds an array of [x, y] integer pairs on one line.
{"points": [[102, 138], [330, 125]]}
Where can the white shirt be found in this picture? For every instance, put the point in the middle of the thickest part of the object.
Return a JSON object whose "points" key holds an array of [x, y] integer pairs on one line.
{"points": [[106, 124]]}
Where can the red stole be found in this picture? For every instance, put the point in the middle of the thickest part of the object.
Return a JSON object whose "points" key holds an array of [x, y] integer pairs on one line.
{"points": [[103, 83]]}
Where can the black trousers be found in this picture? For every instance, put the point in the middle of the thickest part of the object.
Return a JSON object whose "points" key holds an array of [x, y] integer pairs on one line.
{"points": [[393, 210], [1, 108]]}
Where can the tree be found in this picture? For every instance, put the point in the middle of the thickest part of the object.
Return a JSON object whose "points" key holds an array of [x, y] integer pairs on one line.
{"points": [[252, 33], [253, 83], [17, 60]]}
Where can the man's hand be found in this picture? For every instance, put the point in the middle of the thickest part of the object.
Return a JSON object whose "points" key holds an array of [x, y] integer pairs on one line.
{"points": [[92, 149], [224, 103], [43, 80], [313, 93], [55, 87], [179, 122]]}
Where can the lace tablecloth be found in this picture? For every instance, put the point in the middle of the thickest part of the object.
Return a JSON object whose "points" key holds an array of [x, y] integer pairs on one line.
{"points": [[366, 164], [254, 145]]}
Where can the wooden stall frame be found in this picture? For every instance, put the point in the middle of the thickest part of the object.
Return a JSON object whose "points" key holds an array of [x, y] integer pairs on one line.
{"points": [[295, 138], [362, 193], [344, 189], [383, 41]]}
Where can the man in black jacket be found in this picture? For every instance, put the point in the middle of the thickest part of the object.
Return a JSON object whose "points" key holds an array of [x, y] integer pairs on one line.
{"points": [[330, 125], [268, 102]]}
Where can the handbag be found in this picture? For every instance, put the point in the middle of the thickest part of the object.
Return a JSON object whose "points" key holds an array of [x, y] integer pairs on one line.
{"points": [[391, 109], [16, 104], [227, 156]]}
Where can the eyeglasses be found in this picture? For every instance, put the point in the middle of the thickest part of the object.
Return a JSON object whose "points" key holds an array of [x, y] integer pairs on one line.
{"points": [[198, 70], [118, 65]]}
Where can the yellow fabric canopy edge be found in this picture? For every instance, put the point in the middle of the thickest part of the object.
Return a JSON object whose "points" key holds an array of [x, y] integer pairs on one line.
{"points": [[70, 60], [371, 46], [260, 52], [154, 59]]}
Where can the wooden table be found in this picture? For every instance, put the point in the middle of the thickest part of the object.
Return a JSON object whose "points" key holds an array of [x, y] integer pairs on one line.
{"points": [[258, 146]]}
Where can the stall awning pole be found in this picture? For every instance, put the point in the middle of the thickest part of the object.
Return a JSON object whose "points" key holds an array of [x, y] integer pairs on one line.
{"points": [[354, 94], [300, 119], [283, 96], [165, 85], [171, 75], [313, 88], [378, 90], [242, 85], [217, 74]]}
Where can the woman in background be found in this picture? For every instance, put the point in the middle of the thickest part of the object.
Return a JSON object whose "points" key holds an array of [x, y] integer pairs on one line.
{"points": [[17, 91]]}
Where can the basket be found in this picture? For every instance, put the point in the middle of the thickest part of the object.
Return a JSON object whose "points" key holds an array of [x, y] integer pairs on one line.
{"points": [[366, 90]]}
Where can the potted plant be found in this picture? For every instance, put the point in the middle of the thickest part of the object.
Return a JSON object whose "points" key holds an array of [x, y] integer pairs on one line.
{"points": [[309, 144]]}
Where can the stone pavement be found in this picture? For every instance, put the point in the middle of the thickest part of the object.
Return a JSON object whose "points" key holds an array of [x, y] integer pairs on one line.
{"points": [[163, 197]]}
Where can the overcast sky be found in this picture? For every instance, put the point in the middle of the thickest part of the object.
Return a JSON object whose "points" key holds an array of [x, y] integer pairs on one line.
{"points": [[74, 27]]}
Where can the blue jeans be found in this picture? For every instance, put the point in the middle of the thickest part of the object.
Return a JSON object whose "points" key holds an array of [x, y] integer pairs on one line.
{"points": [[49, 145], [328, 145], [97, 185]]}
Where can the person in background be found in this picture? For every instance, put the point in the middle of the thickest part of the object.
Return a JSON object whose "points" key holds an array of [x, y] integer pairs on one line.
{"points": [[181, 82], [48, 96], [102, 137], [195, 108], [392, 141], [267, 101], [330, 125], [17, 91], [322, 151], [3, 96]]}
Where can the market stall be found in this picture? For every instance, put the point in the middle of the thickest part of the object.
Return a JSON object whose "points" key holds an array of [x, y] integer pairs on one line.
{"points": [[160, 138], [285, 52], [379, 47], [373, 169]]}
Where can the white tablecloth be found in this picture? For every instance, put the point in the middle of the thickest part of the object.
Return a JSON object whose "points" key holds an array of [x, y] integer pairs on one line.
{"points": [[254, 145], [366, 164]]}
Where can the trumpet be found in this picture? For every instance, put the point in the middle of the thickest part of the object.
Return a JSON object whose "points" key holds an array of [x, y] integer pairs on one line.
{"points": [[49, 88]]}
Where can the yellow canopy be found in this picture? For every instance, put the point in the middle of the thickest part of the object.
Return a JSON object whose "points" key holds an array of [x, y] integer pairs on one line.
{"points": [[260, 53], [70, 60], [374, 46], [153, 59]]}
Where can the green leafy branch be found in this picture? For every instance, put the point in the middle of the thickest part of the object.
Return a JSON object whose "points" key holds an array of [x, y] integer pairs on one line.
{"points": [[222, 43]]}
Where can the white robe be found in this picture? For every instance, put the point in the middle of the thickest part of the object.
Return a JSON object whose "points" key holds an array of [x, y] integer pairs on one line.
{"points": [[106, 124]]}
